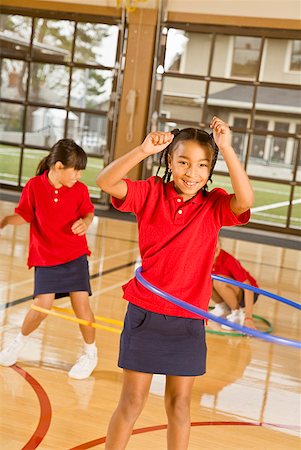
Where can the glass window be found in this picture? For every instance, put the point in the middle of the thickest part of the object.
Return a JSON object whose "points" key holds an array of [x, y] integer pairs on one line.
{"points": [[183, 98], [94, 165], [96, 44], [49, 84], [53, 40], [9, 162], [15, 32], [187, 52], [245, 59], [89, 131], [281, 61], [271, 203], [296, 209], [11, 122], [91, 88], [45, 126], [295, 57], [227, 99], [13, 79], [31, 160]]}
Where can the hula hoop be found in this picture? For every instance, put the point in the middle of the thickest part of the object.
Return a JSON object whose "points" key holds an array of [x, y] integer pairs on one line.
{"points": [[50, 312], [232, 333], [207, 315]]}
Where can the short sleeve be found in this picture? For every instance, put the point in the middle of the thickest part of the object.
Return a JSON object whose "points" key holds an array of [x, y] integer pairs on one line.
{"points": [[26, 208], [223, 212], [86, 206], [136, 196]]}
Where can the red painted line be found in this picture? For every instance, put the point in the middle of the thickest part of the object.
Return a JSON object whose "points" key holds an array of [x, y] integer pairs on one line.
{"points": [[45, 410], [102, 440]]}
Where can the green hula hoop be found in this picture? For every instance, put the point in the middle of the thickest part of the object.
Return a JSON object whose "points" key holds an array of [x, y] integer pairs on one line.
{"points": [[230, 333]]}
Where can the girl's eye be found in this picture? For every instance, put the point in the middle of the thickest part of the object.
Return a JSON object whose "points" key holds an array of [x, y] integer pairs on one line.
{"points": [[204, 165], [182, 162]]}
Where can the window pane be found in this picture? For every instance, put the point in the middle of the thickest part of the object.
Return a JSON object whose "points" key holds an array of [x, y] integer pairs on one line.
{"points": [[295, 57], [53, 40], [96, 44], [49, 84], [15, 32], [227, 99], [91, 88], [296, 209], [187, 52], [13, 79], [94, 165], [182, 98], [271, 156], [245, 56], [281, 61], [278, 100], [271, 203], [45, 126], [11, 122], [89, 131], [31, 159], [9, 163]]}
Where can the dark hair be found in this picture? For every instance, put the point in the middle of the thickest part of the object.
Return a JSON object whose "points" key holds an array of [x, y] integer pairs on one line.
{"points": [[189, 134], [67, 152]]}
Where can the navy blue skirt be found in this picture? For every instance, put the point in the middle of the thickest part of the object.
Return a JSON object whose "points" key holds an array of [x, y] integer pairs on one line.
{"points": [[62, 279], [155, 343]]}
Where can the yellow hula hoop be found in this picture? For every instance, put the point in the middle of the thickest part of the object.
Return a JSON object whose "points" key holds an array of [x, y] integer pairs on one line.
{"points": [[75, 319], [100, 318]]}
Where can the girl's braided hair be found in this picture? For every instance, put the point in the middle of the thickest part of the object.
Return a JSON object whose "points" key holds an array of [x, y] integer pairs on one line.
{"points": [[188, 134], [67, 152]]}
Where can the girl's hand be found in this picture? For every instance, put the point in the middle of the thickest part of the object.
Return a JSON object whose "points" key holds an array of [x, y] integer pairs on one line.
{"points": [[156, 141], [221, 133], [79, 227]]}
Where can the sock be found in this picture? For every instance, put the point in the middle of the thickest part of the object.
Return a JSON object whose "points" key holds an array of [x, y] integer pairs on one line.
{"points": [[21, 338], [90, 348]]}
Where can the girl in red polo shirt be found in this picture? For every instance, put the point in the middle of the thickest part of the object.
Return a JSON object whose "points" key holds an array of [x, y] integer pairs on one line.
{"points": [[58, 207], [178, 225]]}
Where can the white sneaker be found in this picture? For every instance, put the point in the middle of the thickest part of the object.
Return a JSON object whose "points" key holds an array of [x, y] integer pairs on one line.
{"points": [[84, 366], [9, 355], [220, 310], [236, 316]]}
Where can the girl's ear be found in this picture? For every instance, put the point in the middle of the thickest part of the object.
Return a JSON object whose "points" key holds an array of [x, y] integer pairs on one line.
{"points": [[58, 165]]}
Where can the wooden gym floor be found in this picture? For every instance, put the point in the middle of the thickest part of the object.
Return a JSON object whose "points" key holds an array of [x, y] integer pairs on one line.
{"points": [[249, 397]]}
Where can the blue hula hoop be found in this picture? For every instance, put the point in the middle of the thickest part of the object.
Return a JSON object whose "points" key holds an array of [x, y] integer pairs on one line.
{"points": [[207, 315]]}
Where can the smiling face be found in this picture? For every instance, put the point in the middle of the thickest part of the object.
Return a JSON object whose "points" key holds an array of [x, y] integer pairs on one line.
{"points": [[190, 163]]}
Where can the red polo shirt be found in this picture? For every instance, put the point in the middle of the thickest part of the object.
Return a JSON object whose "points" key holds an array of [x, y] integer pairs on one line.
{"points": [[51, 212], [225, 264], [177, 242]]}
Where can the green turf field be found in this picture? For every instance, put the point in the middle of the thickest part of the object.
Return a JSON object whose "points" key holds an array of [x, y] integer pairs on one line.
{"points": [[271, 199]]}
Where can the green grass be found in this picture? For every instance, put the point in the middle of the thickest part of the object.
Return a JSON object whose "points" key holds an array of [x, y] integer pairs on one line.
{"points": [[266, 193]]}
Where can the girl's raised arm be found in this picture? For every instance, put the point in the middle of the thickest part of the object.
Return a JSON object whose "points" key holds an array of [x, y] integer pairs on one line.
{"points": [[243, 193], [110, 179]]}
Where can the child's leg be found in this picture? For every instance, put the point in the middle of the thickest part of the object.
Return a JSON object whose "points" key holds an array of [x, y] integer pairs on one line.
{"points": [[229, 293], [34, 318], [10, 354], [88, 361], [132, 400], [177, 404], [81, 306]]}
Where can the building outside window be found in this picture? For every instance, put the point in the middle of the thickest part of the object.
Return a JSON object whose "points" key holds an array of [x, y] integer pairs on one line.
{"points": [[242, 76], [57, 81]]}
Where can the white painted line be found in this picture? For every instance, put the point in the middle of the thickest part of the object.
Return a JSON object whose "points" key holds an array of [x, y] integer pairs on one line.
{"points": [[274, 205]]}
